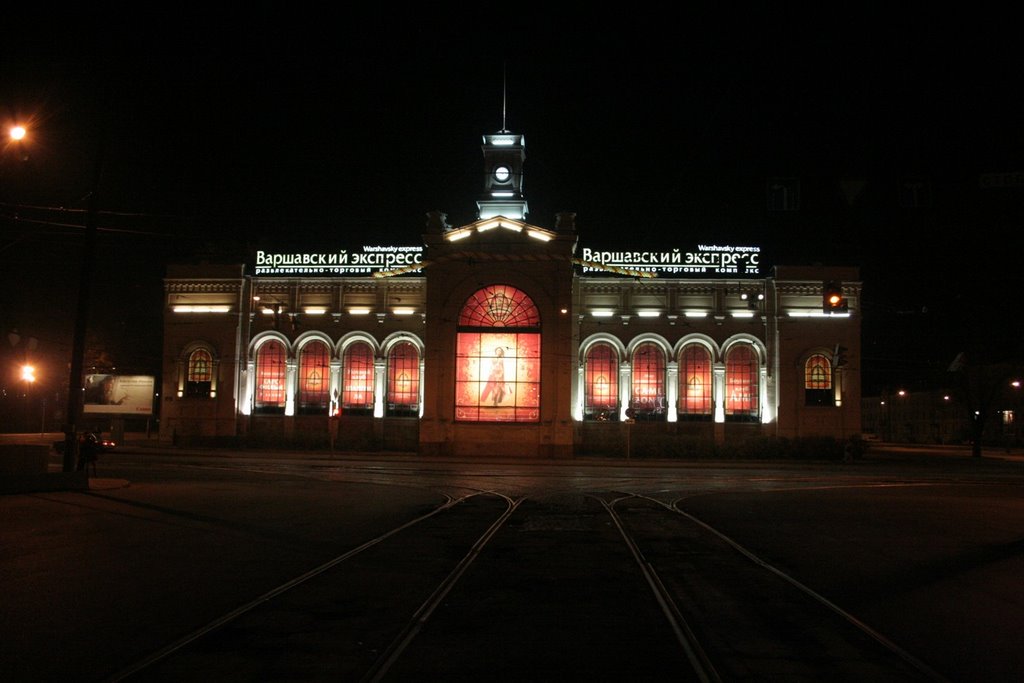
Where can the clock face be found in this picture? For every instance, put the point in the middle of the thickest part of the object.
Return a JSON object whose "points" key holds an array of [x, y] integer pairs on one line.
{"points": [[502, 174]]}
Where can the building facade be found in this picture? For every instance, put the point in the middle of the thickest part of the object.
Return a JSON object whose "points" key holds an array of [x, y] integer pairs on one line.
{"points": [[501, 337]]}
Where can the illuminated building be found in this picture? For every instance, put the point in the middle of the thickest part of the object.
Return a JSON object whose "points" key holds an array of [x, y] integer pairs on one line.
{"points": [[501, 337]]}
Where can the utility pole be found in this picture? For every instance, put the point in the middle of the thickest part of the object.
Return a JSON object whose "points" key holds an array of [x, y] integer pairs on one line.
{"points": [[75, 397]]}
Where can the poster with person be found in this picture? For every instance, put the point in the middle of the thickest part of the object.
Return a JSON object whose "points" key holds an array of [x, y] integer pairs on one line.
{"points": [[118, 394]]}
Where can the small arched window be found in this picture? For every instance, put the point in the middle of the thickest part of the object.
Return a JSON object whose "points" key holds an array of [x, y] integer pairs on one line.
{"points": [[357, 379], [647, 399], [403, 380], [601, 383], [695, 382], [314, 378], [199, 379], [818, 381], [270, 378], [742, 381]]}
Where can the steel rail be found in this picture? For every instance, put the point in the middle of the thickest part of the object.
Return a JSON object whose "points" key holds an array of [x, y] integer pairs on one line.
{"points": [[892, 647], [387, 659], [217, 623], [701, 663]]}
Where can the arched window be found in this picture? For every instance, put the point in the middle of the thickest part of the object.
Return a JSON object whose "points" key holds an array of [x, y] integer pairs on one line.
{"points": [[199, 379], [270, 375], [314, 378], [601, 383], [695, 383], [818, 381], [741, 384], [403, 380], [357, 380], [647, 398], [498, 357]]}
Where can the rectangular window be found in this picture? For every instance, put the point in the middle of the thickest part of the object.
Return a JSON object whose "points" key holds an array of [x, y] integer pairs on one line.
{"points": [[497, 377], [783, 194]]}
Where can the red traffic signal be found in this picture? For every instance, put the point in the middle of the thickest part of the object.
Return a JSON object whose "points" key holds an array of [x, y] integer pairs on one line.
{"points": [[832, 299]]}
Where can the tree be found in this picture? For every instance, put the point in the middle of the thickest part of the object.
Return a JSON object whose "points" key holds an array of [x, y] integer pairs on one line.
{"points": [[980, 388]]}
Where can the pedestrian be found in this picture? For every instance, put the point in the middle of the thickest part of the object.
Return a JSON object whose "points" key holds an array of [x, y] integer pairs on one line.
{"points": [[88, 452]]}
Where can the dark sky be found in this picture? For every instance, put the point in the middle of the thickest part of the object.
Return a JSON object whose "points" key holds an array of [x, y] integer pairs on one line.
{"points": [[296, 129]]}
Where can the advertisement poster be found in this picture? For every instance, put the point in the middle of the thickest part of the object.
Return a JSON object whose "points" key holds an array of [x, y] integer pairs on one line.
{"points": [[119, 394], [498, 377]]}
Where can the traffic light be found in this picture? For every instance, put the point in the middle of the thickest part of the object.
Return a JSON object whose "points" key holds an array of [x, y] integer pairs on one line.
{"points": [[832, 299]]}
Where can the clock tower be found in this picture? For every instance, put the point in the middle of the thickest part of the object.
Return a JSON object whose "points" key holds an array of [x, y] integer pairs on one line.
{"points": [[504, 153]]}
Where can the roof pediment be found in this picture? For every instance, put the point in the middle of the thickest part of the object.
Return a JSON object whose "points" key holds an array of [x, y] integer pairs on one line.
{"points": [[499, 225]]}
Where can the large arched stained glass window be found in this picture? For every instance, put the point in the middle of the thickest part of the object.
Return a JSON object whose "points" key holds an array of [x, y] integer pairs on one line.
{"points": [[403, 380], [695, 382], [647, 399], [741, 384], [601, 383], [357, 379], [314, 377], [818, 381], [499, 306], [200, 374], [270, 378], [498, 357]]}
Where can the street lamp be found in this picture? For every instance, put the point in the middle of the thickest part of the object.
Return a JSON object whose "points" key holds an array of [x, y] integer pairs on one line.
{"points": [[28, 376]]}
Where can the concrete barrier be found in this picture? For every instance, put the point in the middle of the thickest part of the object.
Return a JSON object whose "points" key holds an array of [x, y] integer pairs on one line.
{"points": [[24, 468]]}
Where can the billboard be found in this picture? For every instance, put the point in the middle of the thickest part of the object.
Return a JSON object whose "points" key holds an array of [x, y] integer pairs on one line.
{"points": [[118, 394]]}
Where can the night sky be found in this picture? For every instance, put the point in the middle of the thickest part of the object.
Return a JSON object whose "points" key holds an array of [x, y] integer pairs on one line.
{"points": [[222, 133]]}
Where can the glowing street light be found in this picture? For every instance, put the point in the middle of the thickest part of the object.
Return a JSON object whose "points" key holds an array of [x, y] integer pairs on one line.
{"points": [[28, 373], [17, 133]]}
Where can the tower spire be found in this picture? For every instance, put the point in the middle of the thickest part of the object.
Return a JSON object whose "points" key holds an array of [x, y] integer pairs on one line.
{"points": [[504, 153], [504, 94]]}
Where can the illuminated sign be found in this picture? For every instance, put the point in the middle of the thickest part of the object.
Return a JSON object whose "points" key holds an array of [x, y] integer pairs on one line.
{"points": [[118, 394], [706, 259], [365, 261], [990, 180]]}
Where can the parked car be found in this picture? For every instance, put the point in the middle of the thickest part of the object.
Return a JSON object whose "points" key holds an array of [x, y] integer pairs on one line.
{"points": [[89, 440]]}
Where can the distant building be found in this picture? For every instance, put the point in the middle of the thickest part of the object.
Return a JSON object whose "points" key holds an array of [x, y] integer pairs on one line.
{"points": [[505, 337], [941, 417]]}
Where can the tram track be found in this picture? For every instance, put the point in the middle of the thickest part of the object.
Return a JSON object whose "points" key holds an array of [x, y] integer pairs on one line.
{"points": [[702, 666], [491, 571], [216, 645], [749, 618], [419, 618]]}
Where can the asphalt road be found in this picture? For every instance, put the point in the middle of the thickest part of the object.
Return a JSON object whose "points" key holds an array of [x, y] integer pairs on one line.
{"points": [[928, 551]]}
